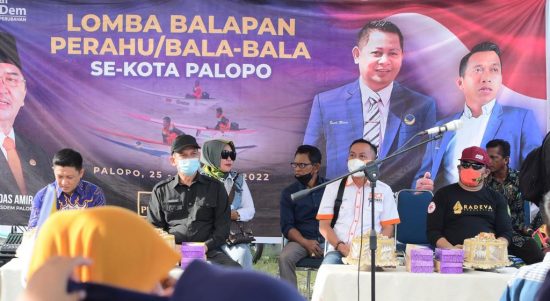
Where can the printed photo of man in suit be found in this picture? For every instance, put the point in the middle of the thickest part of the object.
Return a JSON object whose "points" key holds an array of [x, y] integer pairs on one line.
{"points": [[484, 119], [374, 107], [22, 163]]}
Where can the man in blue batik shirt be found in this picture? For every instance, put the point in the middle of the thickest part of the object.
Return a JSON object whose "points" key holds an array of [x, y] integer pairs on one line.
{"points": [[67, 192]]}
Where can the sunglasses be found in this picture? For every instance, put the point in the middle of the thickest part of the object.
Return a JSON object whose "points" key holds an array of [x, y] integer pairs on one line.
{"points": [[475, 166], [229, 154], [301, 165]]}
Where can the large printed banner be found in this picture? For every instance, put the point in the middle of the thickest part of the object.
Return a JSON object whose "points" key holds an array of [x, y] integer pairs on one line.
{"points": [[103, 78]]}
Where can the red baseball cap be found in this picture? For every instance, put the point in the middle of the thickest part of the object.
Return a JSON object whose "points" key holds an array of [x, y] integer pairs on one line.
{"points": [[475, 154]]}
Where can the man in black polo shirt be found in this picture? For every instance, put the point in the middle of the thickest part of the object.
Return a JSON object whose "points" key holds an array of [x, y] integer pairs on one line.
{"points": [[464, 209], [191, 206], [298, 222]]}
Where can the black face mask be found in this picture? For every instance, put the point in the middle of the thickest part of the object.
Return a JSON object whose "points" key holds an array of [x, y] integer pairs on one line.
{"points": [[304, 179]]}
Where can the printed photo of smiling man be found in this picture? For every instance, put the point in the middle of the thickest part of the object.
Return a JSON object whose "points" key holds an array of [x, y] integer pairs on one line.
{"points": [[375, 107], [23, 165]]}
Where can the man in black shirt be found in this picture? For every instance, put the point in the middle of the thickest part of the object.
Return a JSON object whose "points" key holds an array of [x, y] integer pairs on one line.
{"points": [[191, 206], [464, 209], [298, 222]]}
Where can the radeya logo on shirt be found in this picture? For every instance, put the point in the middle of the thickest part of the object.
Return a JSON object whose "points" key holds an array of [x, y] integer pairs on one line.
{"points": [[458, 208]]}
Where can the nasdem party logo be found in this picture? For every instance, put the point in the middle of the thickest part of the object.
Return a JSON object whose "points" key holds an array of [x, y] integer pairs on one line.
{"points": [[12, 13]]}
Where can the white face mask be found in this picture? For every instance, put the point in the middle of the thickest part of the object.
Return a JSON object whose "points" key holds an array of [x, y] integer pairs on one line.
{"points": [[354, 164]]}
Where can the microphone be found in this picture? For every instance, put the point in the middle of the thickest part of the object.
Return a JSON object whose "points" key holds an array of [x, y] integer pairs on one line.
{"points": [[449, 126], [300, 194]]}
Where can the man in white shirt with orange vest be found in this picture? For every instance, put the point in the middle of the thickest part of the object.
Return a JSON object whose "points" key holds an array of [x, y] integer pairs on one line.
{"points": [[356, 193]]}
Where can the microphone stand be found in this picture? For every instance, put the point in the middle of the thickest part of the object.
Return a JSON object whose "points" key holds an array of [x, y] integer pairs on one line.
{"points": [[371, 171]]}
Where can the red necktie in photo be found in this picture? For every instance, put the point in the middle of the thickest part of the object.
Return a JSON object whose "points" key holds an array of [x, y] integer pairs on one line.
{"points": [[15, 164]]}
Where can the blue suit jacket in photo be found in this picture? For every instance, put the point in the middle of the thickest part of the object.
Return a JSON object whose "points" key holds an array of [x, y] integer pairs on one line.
{"points": [[337, 118], [515, 125]]}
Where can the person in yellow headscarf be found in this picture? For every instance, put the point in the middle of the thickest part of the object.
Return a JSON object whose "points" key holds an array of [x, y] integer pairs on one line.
{"points": [[200, 282], [125, 250]]}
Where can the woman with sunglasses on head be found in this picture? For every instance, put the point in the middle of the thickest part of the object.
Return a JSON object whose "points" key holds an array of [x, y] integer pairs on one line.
{"points": [[218, 157]]}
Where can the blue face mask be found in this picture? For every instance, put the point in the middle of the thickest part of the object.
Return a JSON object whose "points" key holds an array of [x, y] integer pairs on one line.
{"points": [[188, 167]]}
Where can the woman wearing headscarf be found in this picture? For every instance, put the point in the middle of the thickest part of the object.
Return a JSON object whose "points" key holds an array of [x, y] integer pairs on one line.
{"points": [[125, 251], [200, 282], [218, 157], [110, 253]]}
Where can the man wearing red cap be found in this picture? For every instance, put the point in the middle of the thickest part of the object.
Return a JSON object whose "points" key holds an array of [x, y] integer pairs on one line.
{"points": [[464, 209]]}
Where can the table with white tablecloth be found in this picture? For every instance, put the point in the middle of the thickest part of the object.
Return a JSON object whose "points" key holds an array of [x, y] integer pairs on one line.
{"points": [[339, 282], [11, 284]]}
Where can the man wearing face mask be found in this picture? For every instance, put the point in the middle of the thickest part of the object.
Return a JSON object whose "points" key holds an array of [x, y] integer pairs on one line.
{"points": [[298, 223], [356, 194], [191, 206], [464, 209]]}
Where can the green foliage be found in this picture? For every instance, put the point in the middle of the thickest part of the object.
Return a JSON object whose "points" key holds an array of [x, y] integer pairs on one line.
{"points": [[269, 265]]}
